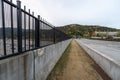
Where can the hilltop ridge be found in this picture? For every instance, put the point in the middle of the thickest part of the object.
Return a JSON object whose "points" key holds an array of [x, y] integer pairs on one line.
{"points": [[75, 29]]}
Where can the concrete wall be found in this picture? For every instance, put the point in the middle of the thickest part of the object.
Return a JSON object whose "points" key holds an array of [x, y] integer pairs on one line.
{"points": [[33, 65], [108, 65]]}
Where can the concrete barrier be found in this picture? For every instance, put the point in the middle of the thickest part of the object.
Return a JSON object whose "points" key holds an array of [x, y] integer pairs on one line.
{"points": [[110, 66], [32, 65]]}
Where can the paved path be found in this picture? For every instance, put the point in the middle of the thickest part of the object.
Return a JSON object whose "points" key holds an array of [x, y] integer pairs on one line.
{"points": [[75, 64], [109, 48]]}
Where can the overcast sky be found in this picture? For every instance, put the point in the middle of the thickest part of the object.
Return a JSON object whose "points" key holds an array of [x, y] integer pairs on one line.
{"points": [[88, 12]]}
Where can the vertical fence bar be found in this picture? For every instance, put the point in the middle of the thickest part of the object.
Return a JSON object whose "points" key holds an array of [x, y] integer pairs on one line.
{"points": [[54, 35], [3, 24], [29, 29], [37, 32], [12, 35], [25, 28], [32, 30], [40, 31], [19, 26]]}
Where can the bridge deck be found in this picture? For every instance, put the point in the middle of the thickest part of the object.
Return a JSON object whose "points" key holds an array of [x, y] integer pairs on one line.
{"points": [[75, 64], [108, 48]]}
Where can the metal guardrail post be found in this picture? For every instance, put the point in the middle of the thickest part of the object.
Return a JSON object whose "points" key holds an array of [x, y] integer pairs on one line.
{"points": [[0, 13], [29, 22], [37, 35], [3, 26], [12, 31], [54, 35], [25, 28], [33, 44], [19, 26]]}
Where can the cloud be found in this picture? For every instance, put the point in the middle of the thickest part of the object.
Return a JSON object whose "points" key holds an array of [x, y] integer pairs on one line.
{"points": [[62, 12]]}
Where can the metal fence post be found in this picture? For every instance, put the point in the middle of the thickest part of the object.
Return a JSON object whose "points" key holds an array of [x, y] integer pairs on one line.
{"points": [[25, 28], [3, 25], [37, 28], [29, 29], [19, 26], [1, 15], [54, 35], [12, 31]]}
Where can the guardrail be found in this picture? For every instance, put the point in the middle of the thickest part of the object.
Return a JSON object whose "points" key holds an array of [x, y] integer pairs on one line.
{"points": [[21, 31]]}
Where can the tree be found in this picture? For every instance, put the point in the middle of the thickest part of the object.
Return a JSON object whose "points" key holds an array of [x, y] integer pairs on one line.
{"points": [[118, 34]]}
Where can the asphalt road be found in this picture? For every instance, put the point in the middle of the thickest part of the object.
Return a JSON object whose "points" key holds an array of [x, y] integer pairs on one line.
{"points": [[108, 48]]}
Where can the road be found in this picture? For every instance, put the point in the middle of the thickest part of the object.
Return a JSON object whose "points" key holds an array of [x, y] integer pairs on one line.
{"points": [[110, 49]]}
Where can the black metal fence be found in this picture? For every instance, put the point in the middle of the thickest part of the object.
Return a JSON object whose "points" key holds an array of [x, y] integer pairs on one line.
{"points": [[21, 31]]}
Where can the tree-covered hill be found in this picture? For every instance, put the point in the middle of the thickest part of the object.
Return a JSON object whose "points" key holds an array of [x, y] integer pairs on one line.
{"points": [[84, 30]]}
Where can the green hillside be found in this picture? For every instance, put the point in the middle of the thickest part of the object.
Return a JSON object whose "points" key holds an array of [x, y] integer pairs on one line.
{"points": [[83, 30]]}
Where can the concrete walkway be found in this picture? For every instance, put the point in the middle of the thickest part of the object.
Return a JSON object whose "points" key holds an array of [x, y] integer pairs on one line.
{"points": [[75, 64]]}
